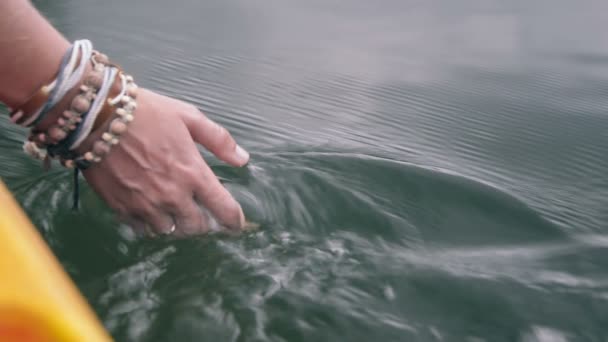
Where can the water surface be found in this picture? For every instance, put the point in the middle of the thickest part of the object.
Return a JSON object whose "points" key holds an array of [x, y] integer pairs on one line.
{"points": [[422, 171]]}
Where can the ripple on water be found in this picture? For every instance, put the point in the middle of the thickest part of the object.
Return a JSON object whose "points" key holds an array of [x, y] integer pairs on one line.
{"points": [[350, 244], [342, 254], [493, 230]]}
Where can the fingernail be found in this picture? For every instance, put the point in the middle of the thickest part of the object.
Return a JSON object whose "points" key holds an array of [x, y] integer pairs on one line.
{"points": [[242, 221], [242, 154]]}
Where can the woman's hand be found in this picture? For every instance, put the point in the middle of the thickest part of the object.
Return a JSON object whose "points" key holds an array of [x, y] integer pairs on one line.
{"points": [[156, 177]]}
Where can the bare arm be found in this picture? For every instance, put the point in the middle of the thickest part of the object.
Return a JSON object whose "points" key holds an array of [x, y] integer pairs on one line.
{"points": [[155, 178], [30, 51]]}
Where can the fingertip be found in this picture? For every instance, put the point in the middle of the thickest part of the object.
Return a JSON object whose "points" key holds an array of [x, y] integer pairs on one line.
{"points": [[241, 219], [216, 139], [235, 220], [215, 198], [242, 156], [221, 221]]}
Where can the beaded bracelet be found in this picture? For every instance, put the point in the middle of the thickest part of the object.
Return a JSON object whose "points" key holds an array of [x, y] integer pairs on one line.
{"points": [[91, 116], [71, 116], [74, 138], [80, 105], [91, 108], [117, 127], [68, 121]]}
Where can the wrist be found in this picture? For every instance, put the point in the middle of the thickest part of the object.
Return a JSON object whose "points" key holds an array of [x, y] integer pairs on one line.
{"points": [[31, 58], [61, 131]]}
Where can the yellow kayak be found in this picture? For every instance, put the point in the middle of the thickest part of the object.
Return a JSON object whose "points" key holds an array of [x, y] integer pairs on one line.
{"points": [[38, 301]]}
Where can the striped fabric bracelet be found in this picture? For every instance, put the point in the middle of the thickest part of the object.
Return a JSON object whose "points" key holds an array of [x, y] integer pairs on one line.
{"points": [[71, 71]]}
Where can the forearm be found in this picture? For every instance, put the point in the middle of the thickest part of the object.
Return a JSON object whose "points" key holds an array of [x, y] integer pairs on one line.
{"points": [[30, 51]]}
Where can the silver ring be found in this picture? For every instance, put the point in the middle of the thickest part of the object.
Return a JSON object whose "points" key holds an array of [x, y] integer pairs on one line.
{"points": [[171, 230]]}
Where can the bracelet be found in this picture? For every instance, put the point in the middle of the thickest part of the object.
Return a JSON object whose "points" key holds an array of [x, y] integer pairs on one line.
{"points": [[90, 108], [72, 116], [75, 124], [75, 138], [72, 67], [96, 107], [34, 101], [71, 75], [124, 115]]}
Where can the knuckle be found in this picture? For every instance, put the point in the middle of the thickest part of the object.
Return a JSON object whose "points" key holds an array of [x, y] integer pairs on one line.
{"points": [[155, 190], [204, 191], [210, 193], [188, 108], [193, 177], [184, 171], [173, 200], [188, 111], [224, 139], [224, 135], [119, 209], [140, 209]]}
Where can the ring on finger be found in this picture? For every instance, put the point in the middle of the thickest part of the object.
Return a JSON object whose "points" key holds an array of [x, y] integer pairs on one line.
{"points": [[170, 230]]}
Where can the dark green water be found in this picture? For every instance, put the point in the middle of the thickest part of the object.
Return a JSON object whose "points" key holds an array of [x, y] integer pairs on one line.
{"points": [[423, 171]]}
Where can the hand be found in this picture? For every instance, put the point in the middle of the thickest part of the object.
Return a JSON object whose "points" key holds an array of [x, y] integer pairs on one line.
{"points": [[156, 177]]}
